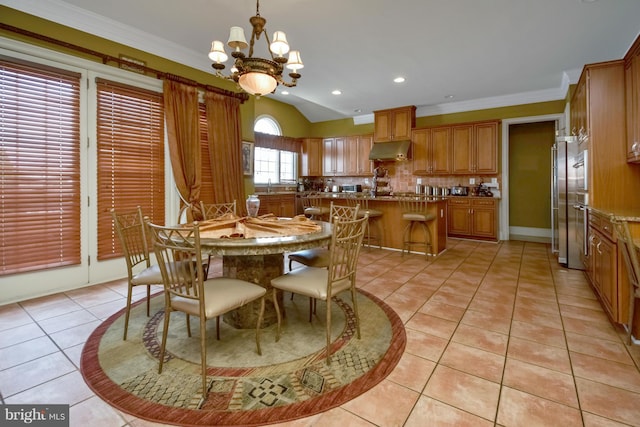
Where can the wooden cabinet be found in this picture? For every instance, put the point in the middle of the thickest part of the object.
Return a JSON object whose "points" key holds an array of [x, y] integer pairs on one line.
{"points": [[600, 99], [431, 151], [603, 271], [282, 205], [475, 218], [357, 153], [311, 157], [334, 156], [394, 124], [632, 97], [578, 114], [474, 148]]}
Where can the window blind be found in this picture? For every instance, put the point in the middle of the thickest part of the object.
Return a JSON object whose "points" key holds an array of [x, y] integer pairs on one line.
{"points": [[39, 167], [130, 138], [206, 189]]}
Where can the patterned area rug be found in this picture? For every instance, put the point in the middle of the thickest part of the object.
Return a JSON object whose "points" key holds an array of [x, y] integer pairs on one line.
{"points": [[290, 380]]}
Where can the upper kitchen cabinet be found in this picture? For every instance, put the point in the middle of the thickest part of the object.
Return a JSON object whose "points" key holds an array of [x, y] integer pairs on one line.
{"points": [[334, 157], [611, 181], [474, 148], [357, 152], [432, 151], [394, 124], [632, 96], [311, 157]]}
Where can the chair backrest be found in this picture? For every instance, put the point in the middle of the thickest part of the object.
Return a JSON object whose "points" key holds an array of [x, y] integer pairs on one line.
{"points": [[177, 250], [131, 231], [413, 204], [342, 213], [630, 254], [311, 200], [362, 201], [217, 210], [346, 241]]}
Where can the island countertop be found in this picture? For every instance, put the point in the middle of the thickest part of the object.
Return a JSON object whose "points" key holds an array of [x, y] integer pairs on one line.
{"points": [[391, 222]]}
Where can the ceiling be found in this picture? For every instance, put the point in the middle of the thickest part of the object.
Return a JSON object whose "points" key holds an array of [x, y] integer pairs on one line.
{"points": [[484, 54]]}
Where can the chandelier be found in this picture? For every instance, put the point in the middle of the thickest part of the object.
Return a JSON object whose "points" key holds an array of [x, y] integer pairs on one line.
{"points": [[257, 76]]}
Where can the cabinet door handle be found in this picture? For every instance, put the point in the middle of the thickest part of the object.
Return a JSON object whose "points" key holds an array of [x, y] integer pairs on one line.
{"points": [[598, 248]]}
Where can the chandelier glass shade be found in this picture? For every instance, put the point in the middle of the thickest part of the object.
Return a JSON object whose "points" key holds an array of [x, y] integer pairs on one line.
{"points": [[257, 76]]}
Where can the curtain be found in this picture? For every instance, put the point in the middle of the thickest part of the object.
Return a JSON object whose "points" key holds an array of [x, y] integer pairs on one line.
{"points": [[225, 147], [275, 142], [182, 121]]}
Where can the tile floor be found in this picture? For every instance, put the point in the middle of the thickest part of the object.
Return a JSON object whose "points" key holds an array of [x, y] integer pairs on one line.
{"points": [[497, 335]]}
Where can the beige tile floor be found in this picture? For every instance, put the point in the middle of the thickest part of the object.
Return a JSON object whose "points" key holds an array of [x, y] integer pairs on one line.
{"points": [[497, 335]]}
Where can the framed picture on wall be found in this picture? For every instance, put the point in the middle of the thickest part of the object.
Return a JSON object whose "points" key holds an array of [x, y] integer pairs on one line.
{"points": [[247, 157]]}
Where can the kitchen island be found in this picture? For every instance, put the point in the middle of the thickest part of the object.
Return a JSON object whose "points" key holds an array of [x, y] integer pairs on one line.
{"points": [[391, 223]]}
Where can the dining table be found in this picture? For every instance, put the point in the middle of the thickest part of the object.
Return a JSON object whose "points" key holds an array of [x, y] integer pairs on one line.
{"points": [[253, 249]]}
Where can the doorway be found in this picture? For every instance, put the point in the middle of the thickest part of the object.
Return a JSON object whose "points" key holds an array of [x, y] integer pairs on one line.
{"points": [[509, 191]]}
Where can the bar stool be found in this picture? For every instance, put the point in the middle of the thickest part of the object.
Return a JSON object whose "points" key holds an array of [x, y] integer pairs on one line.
{"points": [[414, 210], [630, 255], [312, 206], [374, 218]]}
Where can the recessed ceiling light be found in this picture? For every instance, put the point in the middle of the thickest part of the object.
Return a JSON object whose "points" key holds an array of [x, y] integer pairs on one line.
{"points": [[357, 110], [285, 92], [448, 97], [399, 79], [337, 92]]}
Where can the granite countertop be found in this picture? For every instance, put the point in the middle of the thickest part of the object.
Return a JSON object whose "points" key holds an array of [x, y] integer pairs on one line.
{"points": [[618, 215], [342, 195]]}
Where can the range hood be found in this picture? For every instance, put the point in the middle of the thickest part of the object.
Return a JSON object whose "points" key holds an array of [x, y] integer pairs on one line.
{"points": [[393, 150]]}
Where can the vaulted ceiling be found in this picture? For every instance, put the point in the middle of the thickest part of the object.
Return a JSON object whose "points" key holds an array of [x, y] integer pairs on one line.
{"points": [[455, 55]]}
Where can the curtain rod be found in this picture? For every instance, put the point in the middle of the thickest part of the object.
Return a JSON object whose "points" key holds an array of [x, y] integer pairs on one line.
{"points": [[108, 58]]}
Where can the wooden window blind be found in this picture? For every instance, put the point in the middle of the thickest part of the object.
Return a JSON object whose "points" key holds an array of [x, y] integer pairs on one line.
{"points": [[39, 167], [206, 189], [130, 128]]}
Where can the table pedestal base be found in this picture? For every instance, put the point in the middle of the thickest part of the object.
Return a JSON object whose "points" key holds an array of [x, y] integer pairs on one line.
{"points": [[258, 269]]}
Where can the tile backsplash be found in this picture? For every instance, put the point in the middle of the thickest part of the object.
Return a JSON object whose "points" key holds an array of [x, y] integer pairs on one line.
{"points": [[401, 179]]}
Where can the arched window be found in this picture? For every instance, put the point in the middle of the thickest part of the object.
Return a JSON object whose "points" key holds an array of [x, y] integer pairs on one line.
{"points": [[268, 125], [270, 165]]}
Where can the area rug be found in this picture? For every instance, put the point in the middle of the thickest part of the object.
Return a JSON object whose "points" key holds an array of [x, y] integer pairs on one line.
{"points": [[290, 380]]}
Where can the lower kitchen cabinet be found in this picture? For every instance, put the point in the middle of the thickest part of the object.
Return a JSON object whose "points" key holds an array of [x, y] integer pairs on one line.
{"points": [[282, 205], [474, 218], [605, 270]]}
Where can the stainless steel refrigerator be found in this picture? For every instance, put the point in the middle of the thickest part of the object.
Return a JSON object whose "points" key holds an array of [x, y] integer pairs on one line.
{"points": [[564, 226]]}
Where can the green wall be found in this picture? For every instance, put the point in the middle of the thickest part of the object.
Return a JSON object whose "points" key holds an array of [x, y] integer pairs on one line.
{"points": [[530, 174]]}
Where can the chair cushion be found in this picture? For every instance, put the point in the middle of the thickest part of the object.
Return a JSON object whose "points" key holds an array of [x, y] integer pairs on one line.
{"points": [[221, 294], [149, 276], [309, 281], [316, 210], [153, 276], [372, 213], [316, 257], [418, 216]]}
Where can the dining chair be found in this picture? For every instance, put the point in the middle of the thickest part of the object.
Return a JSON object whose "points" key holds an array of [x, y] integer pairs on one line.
{"points": [[189, 292], [325, 283], [131, 232], [630, 255], [414, 210], [217, 210], [319, 257]]}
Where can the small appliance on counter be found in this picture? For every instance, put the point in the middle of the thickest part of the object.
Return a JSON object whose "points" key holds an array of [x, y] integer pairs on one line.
{"points": [[459, 191], [352, 188]]}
